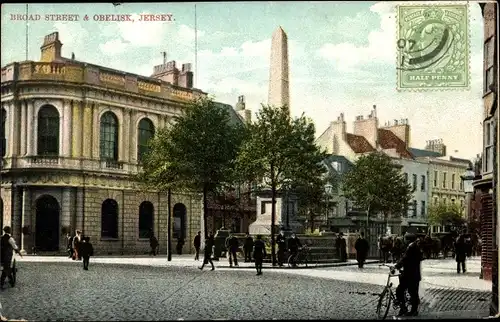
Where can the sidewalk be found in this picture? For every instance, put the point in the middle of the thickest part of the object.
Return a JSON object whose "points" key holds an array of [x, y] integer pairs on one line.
{"points": [[177, 261], [450, 315]]}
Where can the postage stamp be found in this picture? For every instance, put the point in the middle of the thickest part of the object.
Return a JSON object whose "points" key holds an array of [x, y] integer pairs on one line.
{"points": [[433, 47]]}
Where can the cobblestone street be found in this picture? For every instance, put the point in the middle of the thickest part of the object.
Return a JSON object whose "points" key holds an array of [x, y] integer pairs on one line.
{"points": [[50, 289]]}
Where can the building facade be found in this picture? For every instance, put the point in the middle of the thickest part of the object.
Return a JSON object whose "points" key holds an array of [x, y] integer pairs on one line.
{"points": [[72, 136]]}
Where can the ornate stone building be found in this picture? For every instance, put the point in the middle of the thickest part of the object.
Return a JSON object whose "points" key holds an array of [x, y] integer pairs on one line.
{"points": [[72, 136]]}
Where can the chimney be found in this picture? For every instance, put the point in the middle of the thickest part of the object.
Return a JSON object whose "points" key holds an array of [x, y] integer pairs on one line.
{"points": [[51, 48], [368, 128], [436, 146], [401, 129], [186, 76], [168, 73], [339, 127], [241, 103]]}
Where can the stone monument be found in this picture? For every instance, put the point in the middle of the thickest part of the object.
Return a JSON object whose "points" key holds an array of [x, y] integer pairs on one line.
{"points": [[279, 90]]}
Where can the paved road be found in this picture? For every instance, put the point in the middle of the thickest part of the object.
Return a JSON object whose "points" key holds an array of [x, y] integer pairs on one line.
{"points": [[51, 290]]}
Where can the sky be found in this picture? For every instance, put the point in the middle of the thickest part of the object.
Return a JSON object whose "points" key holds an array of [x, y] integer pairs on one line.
{"points": [[342, 58]]}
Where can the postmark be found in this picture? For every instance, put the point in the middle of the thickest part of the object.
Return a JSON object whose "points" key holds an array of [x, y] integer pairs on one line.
{"points": [[433, 47]]}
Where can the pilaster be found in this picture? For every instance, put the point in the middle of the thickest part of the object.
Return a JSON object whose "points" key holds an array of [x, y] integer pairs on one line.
{"points": [[126, 136], [95, 133], [87, 130], [79, 209], [65, 214], [30, 127], [76, 146], [67, 130], [10, 133], [133, 139], [23, 128], [17, 196], [26, 240]]}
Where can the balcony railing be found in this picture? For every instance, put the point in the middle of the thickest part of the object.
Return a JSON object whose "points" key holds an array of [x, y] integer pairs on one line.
{"points": [[44, 160], [112, 164]]}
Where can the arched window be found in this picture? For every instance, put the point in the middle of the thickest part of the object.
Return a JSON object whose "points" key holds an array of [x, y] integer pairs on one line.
{"points": [[109, 137], [146, 212], [3, 120], [109, 219], [145, 133], [48, 131]]}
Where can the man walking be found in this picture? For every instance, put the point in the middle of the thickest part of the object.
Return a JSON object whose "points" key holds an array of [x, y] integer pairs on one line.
{"points": [[460, 253], [209, 243], [8, 247], [410, 277], [69, 245], [341, 246], [233, 246], [86, 250], [153, 242], [197, 245], [280, 241], [362, 248], [248, 247], [259, 253], [293, 247]]}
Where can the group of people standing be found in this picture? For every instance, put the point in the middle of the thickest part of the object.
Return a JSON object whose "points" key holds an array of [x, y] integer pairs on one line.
{"points": [[8, 248], [80, 248]]}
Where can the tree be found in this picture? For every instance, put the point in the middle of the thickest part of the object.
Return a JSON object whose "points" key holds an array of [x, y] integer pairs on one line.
{"points": [[278, 150], [197, 153], [444, 214], [377, 184]]}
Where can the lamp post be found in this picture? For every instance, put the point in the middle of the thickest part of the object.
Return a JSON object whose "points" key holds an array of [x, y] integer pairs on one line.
{"points": [[286, 185], [468, 178], [328, 191]]}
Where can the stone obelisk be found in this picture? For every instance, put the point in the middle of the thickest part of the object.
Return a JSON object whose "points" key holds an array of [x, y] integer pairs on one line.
{"points": [[279, 89]]}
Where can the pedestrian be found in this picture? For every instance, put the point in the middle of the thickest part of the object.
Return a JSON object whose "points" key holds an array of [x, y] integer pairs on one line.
{"points": [[197, 245], [460, 253], [76, 245], [362, 247], [180, 244], [409, 279], [280, 241], [294, 245], [209, 244], [2, 318], [248, 247], [233, 249], [7, 250], [153, 242], [86, 250], [259, 253], [69, 245], [397, 249], [341, 246]]}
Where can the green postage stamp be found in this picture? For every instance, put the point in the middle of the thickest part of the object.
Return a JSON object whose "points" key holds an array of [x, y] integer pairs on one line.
{"points": [[433, 47]]}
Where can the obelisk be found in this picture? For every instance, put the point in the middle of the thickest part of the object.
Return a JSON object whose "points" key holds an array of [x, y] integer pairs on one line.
{"points": [[279, 90]]}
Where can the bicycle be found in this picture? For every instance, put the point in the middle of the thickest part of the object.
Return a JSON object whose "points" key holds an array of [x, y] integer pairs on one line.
{"points": [[302, 257], [388, 295]]}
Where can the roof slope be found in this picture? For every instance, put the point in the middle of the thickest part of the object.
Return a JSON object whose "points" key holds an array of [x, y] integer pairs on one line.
{"points": [[389, 140], [358, 143]]}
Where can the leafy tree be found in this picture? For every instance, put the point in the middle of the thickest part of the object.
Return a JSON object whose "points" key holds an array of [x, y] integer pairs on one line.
{"points": [[377, 184], [197, 153], [278, 150], [443, 214]]}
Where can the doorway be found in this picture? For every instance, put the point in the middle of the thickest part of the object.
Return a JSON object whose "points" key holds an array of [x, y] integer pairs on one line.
{"points": [[47, 224]]}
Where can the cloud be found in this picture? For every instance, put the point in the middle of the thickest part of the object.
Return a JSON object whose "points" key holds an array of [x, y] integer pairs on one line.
{"points": [[113, 47], [73, 36]]}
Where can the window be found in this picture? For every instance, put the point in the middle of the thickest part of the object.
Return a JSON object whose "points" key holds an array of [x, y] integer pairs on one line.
{"points": [[435, 178], [452, 181], [146, 131], [414, 182], [444, 180], [461, 184], [414, 208], [146, 212], [436, 200], [453, 201], [179, 229], [461, 203], [422, 183], [444, 201], [109, 219], [109, 137], [489, 138], [3, 141], [337, 166], [422, 208], [489, 59], [48, 131]]}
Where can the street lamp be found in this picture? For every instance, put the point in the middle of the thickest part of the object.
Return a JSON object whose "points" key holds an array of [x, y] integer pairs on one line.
{"points": [[328, 191], [286, 184], [468, 178]]}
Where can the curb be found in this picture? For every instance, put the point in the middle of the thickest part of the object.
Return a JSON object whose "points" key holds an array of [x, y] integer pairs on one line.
{"points": [[337, 264]]}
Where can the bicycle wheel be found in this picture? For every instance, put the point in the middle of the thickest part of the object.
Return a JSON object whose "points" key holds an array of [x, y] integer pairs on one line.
{"points": [[14, 273], [384, 303], [290, 261]]}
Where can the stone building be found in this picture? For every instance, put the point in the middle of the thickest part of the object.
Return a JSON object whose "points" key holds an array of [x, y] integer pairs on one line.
{"points": [[72, 136], [486, 186]]}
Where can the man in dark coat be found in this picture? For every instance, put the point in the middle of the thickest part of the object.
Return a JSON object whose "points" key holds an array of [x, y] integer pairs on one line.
{"points": [[341, 246], [293, 247], [233, 246], [362, 246], [153, 243], [280, 241], [397, 249], [180, 244], [86, 250], [248, 247], [7, 248], [259, 253], [209, 244], [197, 245], [69, 245], [460, 253], [410, 277]]}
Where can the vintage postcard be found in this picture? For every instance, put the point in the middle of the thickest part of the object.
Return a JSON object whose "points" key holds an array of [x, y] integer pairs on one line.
{"points": [[249, 160]]}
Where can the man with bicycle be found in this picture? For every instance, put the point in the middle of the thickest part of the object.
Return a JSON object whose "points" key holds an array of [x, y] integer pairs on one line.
{"points": [[410, 277], [8, 247], [293, 247]]}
